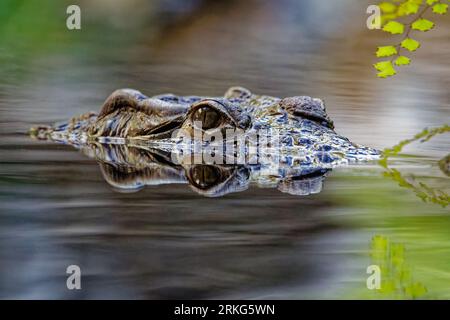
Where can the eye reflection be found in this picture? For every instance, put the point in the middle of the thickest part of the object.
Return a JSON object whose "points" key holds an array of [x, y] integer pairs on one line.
{"points": [[204, 176], [209, 117]]}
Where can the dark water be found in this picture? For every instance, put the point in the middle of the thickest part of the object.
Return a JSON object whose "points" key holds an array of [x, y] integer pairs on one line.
{"points": [[169, 242]]}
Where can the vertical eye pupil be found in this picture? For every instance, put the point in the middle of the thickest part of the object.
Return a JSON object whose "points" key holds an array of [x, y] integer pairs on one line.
{"points": [[208, 117]]}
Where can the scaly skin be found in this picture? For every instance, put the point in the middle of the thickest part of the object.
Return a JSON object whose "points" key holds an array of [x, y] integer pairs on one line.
{"points": [[140, 140]]}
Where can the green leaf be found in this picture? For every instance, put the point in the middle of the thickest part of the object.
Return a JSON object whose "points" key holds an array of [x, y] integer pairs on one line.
{"points": [[416, 290], [410, 44], [386, 51], [394, 27], [386, 69], [387, 7], [440, 8], [408, 8], [380, 66], [379, 242], [402, 61], [431, 2], [387, 73], [423, 25]]}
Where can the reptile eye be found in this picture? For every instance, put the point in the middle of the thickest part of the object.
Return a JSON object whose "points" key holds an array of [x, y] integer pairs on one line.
{"points": [[208, 117], [204, 176]]}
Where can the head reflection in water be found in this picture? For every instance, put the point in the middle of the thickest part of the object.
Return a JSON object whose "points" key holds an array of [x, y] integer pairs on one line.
{"points": [[130, 169]]}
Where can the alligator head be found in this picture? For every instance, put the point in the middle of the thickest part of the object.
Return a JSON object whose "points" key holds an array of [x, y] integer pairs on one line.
{"points": [[289, 142]]}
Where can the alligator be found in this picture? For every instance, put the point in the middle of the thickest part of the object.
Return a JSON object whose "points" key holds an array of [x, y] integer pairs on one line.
{"points": [[217, 145]]}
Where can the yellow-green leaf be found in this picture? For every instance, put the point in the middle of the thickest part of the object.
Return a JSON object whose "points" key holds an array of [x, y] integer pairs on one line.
{"points": [[387, 73], [386, 51], [440, 8], [410, 44], [423, 25], [380, 66], [431, 2], [418, 2], [394, 27], [416, 290], [408, 8], [402, 61], [387, 7], [386, 69]]}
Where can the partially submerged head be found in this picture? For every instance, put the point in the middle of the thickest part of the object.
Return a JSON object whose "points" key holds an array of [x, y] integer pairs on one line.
{"points": [[298, 122], [127, 113]]}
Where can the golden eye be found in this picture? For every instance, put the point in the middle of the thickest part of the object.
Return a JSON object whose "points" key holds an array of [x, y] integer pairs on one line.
{"points": [[208, 117], [204, 176]]}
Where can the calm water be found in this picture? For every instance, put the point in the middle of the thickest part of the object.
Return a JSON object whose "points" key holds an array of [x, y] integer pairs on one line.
{"points": [[168, 241]]}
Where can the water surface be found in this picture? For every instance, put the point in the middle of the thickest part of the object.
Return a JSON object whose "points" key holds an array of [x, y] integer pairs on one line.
{"points": [[168, 241]]}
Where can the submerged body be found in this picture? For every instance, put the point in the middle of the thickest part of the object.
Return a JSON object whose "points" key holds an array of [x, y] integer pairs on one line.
{"points": [[295, 141]]}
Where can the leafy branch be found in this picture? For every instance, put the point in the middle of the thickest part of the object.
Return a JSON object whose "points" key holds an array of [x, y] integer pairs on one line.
{"points": [[423, 191], [397, 280], [393, 12]]}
